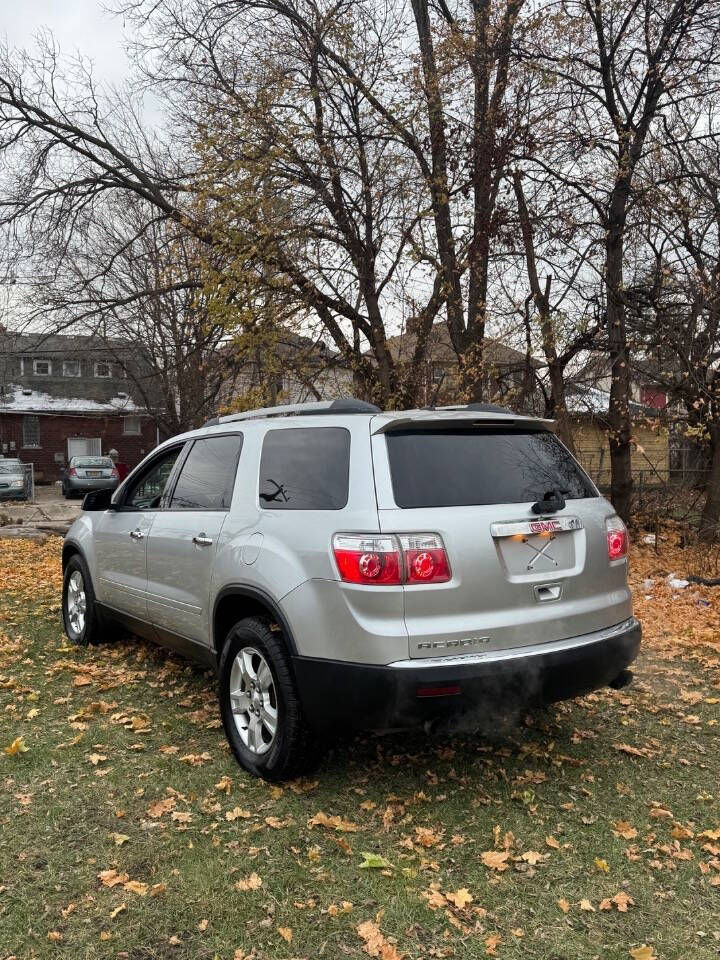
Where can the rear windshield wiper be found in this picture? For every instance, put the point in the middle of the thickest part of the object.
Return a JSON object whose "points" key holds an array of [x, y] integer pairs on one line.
{"points": [[552, 501]]}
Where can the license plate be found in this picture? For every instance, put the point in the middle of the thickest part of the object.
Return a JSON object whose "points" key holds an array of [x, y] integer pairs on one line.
{"points": [[94, 473], [530, 527]]}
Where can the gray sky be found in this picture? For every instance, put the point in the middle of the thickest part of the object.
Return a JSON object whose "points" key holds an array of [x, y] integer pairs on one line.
{"points": [[78, 25]]}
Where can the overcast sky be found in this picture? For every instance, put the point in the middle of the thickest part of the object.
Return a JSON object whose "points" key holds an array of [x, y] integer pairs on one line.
{"points": [[78, 25]]}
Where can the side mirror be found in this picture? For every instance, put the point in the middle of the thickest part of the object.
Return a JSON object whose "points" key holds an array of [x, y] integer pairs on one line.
{"points": [[97, 500]]}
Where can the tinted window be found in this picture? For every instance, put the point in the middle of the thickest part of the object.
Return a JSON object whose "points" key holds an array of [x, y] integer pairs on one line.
{"points": [[468, 467], [305, 469], [207, 477], [146, 492], [91, 462]]}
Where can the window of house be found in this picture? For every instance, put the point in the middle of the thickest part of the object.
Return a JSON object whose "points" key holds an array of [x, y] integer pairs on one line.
{"points": [[305, 468], [31, 431], [207, 477], [71, 368], [103, 369], [42, 368], [440, 373], [132, 426]]}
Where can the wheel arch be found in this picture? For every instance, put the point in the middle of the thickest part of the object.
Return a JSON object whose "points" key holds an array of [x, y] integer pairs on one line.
{"points": [[71, 549], [238, 602]]}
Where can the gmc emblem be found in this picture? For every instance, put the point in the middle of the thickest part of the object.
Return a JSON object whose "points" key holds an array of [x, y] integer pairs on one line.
{"points": [[545, 526]]}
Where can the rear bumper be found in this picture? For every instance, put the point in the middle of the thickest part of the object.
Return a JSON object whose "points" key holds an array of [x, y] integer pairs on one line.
{"points": [[84, 485], [339, 695]]}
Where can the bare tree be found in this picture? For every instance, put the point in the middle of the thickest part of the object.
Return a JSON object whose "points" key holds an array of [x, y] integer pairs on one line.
{"points": [[621, 66]]}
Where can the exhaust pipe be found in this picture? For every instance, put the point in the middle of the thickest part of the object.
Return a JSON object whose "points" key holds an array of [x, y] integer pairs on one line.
{"points": [[623, 679]]}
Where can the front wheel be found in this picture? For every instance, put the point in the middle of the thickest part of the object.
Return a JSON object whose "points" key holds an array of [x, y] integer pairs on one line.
{"points": [[78, 604], [259, 704]]}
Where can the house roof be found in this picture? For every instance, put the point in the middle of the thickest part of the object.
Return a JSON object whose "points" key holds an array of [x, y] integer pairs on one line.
{"points": [[19, 399], [496, 351], [24, 391]]}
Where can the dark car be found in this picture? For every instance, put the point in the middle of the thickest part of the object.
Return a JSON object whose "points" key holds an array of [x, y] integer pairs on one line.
{"points": [[83, 474]]}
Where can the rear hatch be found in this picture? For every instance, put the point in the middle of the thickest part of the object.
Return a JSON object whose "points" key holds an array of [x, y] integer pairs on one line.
{"points": [[518, 578]]}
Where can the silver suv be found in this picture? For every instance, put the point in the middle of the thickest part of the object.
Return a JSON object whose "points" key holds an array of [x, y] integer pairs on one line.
{"points": [[345, 568]]}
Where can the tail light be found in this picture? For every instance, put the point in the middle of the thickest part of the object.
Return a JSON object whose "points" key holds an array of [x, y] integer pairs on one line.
{"points": [[115, 472], [617, 538], [72, 472], [368, 559], [425, 559], [389, 560]]}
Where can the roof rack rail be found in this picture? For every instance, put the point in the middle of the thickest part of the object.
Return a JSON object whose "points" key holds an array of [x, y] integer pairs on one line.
{"points": [[341, 405], [480, 408]]}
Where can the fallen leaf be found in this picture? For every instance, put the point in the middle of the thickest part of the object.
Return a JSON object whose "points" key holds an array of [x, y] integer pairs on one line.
{"points": [[461, 898], [376, 945], [602, 865], [552, 842], [236, 814], [624, 829], [491, 944], [564, 905], [54, 936], [161, 807], [111, 878], [587, 906], [373, 861], [285, 933], [16, 748], [253, 882], [119, 838], [495, 859], [203, 925], [332, 823], [643, 953], [224, 784], [157, 888], [135, 886], [121, 909]]}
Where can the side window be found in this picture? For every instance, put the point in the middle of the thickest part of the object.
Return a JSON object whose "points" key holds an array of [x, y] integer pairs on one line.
{"points": [[305, 468], [146, 493], [208, 475]]}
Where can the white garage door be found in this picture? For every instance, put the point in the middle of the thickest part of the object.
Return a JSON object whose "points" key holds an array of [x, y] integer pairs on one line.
{"points": [[84, 447]]}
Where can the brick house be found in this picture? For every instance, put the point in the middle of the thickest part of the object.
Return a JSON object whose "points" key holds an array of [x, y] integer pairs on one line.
{"points": [[64, 396]]}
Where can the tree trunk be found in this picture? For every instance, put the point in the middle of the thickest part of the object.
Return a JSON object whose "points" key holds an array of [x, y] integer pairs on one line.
{"points": [[558, 408], [619, 412], [711, 511]]}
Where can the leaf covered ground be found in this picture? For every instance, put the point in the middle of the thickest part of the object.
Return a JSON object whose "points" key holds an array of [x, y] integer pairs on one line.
{"points": [[591, 830]]}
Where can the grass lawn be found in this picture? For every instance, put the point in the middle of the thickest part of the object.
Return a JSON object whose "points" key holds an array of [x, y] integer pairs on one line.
{"points": [[591, 830]]}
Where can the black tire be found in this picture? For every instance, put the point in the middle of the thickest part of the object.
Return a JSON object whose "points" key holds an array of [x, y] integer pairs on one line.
{"points": [[92, 629], [294, 749]]}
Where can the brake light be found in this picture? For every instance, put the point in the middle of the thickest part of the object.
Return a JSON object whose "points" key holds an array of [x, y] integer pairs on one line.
{"points": [[114, 472], [617, 538], [368, 559], [72, 472], [425, 559], [390, 560]]}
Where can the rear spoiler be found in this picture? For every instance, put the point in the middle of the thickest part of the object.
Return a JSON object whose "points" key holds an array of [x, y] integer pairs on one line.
{"points": [[458, 417]]}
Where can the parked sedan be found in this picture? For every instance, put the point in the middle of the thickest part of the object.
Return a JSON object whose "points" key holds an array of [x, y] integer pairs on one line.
{"points": [[12, 480], [83, 474]]}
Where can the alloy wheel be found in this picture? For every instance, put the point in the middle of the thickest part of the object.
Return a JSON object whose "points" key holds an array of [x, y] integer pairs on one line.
{"points": [[253, 700], [76, 602]]}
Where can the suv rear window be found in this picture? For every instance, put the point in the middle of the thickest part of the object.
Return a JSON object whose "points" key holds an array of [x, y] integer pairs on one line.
{"points": [[305, 468], [476, 466]]}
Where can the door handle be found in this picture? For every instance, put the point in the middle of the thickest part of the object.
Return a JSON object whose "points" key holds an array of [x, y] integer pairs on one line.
{"points": [[202, 541], [137, 534]]}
